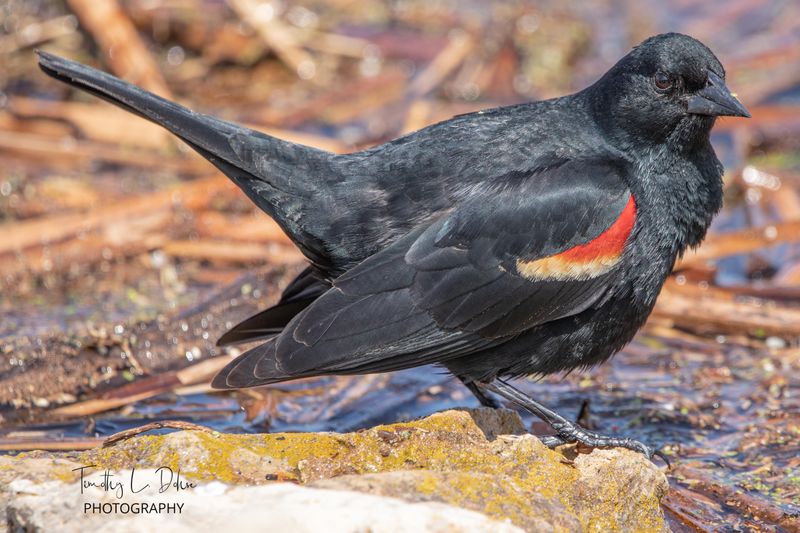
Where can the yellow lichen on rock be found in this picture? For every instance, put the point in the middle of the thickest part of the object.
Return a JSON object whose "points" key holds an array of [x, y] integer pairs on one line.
{"points": [[475, 459]]}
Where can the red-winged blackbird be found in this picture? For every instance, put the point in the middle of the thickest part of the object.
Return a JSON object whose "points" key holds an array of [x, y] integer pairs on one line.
{"points": [[516, 241]]}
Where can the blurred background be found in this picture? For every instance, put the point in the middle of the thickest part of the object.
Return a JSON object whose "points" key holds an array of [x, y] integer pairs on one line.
{"points": [[124, 256]]}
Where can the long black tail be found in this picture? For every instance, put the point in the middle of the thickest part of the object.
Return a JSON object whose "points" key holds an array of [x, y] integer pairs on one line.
{"points": [[282, 178]]}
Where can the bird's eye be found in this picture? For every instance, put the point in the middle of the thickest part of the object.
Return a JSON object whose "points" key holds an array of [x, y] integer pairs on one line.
{"points": [[663, 82]]}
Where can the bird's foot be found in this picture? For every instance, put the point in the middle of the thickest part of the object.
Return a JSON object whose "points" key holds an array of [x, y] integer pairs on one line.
{"points": [[570, 432], [566, 431]]}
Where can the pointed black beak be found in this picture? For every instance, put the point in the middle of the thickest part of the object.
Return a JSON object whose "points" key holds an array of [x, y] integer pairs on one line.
{"points": [[716, 100]]}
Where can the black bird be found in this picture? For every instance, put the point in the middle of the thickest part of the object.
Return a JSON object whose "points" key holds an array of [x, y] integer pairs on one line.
{"points": [[517, 241]]}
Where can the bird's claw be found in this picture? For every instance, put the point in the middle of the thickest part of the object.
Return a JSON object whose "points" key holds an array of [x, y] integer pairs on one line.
{"points": [[663, 456], [590, 439], [566, 430]]}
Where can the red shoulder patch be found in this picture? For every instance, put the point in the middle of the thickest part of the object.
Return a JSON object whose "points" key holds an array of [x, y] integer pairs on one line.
{"points": [[595, 257], [610, 242]]}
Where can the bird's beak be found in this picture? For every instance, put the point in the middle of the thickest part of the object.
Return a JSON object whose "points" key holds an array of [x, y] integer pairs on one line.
{"points": [[716, 100]]}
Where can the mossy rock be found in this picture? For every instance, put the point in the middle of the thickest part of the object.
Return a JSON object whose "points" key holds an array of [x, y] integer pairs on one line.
{"points": [[476, 459]]}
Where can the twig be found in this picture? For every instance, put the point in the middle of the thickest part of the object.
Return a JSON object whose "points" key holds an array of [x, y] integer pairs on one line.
{"points": [[49, 147], [229, 252], [737, 499], [457, 49], [682, 504], [98, 121], [248, 228], [709, 310], [145, 388], [92, 250], [107, 124], [417, 115], [17, 236], [331, 43], [276, 35], [739, 242], [99, 405], [162, 424]]}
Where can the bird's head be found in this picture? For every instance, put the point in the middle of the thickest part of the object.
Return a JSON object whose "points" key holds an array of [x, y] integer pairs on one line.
{"points": [[671, 85]]}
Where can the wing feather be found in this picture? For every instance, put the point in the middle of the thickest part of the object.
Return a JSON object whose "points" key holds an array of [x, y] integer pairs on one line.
{"points": [[452, 288]]}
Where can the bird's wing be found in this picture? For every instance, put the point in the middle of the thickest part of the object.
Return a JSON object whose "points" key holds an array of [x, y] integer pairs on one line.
{"points": [[525, 249], [298, 295]]}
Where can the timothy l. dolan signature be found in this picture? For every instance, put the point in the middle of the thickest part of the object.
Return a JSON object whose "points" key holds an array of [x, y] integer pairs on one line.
{"points": [[162, 479]]}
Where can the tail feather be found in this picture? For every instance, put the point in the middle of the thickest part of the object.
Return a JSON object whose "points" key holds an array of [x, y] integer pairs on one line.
{"points": [[282, 178], [186, 124]]}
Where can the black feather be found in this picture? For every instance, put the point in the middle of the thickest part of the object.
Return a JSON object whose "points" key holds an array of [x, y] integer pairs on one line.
{"points": [[298, 295]]}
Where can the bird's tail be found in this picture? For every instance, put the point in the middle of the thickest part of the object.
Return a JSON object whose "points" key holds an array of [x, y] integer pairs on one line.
{"points": [[275, 174]]}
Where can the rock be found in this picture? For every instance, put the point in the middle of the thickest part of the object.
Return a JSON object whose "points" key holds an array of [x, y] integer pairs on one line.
{"points": [[531, 510], [477, 460], [57, 506]]}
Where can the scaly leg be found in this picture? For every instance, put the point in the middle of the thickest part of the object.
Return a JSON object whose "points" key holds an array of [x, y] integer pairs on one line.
{"points": [[483, 398], [566, 431]]}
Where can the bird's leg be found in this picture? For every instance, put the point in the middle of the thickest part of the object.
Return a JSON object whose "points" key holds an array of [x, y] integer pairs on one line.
{"points": [[583, 418], [483, 398], [566, 431]]}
